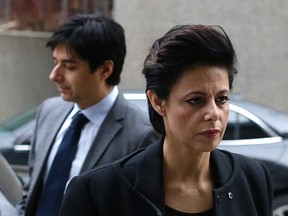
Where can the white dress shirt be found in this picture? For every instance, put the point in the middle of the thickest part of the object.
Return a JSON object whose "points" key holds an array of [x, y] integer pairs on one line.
{"points": [[96, 115]]}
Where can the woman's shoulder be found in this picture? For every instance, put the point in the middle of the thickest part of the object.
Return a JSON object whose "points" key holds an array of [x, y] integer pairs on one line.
{"points": [[239, 162], [239, 158]]}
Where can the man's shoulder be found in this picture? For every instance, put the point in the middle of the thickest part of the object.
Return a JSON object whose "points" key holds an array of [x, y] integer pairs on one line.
{"points": [[115, 169], [54, 100], [54, 106], [54, 103], [130, 110]]}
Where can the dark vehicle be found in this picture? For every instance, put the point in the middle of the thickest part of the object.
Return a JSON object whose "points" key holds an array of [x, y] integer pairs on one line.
{"points": [[253, 130]]}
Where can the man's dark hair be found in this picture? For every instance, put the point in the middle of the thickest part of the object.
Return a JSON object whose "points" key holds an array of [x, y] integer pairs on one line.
{"points": [[95, 39]]}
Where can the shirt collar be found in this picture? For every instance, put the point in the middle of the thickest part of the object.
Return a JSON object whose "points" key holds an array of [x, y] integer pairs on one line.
{"points": [[98, 112]]}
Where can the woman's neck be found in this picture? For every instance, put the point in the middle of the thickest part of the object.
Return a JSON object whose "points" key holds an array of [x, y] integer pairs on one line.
{"points": [[186, 164], [187, 179]]}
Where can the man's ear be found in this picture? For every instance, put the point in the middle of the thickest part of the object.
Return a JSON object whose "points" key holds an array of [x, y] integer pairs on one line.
{"points": [[106, 69], [157, 103]]}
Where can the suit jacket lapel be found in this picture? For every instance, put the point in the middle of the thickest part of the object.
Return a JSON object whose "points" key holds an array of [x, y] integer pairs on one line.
{"points": [[53, 122], [106, 134]]}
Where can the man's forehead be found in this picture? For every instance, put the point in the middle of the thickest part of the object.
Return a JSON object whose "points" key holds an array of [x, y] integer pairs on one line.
{"points": [[64, 52]]}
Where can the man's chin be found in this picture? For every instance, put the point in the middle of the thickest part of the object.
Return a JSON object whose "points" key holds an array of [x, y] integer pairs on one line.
{"points": [[65, 97]]}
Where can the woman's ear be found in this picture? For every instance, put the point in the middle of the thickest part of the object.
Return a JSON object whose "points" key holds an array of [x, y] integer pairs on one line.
{"points": [[157, 103], [106, 69]]}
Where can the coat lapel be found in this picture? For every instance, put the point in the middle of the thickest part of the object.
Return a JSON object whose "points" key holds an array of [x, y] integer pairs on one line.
{"points": [[151, 185], [106, 134], [52, 122]]}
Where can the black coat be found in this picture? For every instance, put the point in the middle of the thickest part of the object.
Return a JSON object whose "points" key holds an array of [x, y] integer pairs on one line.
{"points": [[134, 186]]}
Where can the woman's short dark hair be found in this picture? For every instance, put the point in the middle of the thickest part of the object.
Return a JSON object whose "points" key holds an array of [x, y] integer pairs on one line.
{"points": [[183, 47], [95, 39]]}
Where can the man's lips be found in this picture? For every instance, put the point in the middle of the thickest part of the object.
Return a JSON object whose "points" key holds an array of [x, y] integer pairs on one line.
{"points": [[211, 133], [62, 89]]}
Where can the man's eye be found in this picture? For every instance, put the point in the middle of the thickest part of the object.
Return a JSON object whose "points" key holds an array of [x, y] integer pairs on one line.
{"points": [[70, 67], [194, 101], [222, 99]]}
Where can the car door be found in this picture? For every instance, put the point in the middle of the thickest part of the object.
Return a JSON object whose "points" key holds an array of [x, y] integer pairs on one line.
{"points": [[249, 135]]}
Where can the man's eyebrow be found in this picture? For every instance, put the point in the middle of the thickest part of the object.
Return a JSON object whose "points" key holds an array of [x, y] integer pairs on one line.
{"points": [[68, 60]]}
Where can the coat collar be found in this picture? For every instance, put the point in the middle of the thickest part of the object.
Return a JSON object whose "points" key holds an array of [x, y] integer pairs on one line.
{"points": [[223, 167], [149, 176]]}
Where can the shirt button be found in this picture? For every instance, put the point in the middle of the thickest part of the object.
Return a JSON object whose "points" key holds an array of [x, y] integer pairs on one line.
{"points": [[230, 195], [218, 198]]}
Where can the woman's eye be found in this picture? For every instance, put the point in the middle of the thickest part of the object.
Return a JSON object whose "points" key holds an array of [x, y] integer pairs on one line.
{"points": [[222, 99], [194, 101]]}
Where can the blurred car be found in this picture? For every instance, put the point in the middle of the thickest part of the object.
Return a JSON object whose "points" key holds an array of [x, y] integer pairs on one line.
{"points": [[10, 189], [15, 136], [253, 130]]}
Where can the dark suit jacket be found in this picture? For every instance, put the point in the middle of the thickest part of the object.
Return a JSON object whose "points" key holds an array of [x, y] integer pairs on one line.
{"points": [[124, 130], [134, 186]]}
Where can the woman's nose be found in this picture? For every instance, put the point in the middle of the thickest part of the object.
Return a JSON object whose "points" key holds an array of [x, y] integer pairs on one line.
{"points": [[212, 112]]}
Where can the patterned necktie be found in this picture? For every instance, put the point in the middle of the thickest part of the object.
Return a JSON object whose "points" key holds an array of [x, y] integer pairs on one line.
{"points": [[53, 189]]}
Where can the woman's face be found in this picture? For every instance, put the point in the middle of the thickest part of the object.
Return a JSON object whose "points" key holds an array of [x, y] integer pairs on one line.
{"points": [[196, 111]]}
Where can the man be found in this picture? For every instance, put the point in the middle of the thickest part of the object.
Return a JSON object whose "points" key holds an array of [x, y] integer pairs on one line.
{"points": [[88, 53]]}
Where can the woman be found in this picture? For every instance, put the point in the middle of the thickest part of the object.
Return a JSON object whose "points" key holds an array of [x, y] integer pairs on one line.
{"points": [[189, 74]]}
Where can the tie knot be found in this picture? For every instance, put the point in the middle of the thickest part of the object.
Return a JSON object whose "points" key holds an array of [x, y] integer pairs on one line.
{"points": [[79, 120]]}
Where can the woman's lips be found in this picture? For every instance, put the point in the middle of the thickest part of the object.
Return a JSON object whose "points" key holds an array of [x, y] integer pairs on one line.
{"points": [[210, 134]]}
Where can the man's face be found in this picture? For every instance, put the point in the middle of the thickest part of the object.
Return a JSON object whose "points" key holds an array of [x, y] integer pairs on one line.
{"points": [[74, 79]]}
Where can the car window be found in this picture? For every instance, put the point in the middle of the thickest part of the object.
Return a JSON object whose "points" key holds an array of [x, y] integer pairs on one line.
{"points": [[18, 120], [241, 127]]}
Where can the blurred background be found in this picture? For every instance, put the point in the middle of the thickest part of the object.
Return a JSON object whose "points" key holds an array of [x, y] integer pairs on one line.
{"points": [[258, 30]]}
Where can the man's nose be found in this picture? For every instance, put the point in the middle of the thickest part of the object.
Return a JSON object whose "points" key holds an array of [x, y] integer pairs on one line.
{"points": [[55, 74]]}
